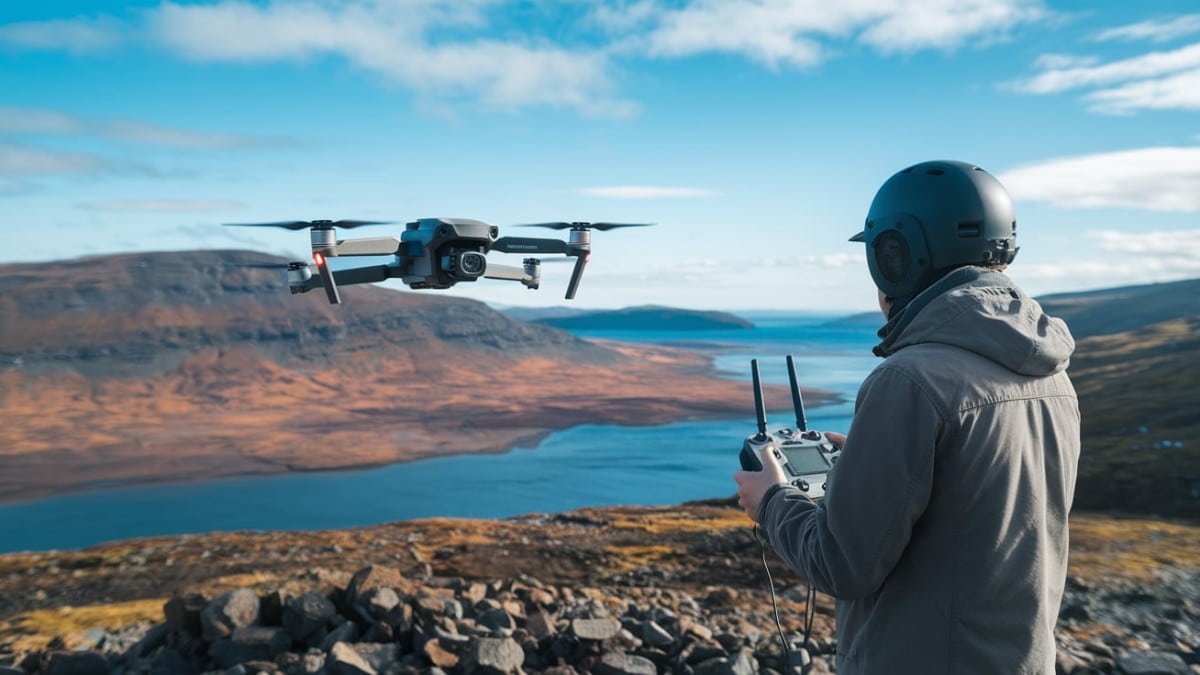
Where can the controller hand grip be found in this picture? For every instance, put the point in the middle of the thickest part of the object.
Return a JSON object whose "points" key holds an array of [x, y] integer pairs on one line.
{"points": [[749, 460]]}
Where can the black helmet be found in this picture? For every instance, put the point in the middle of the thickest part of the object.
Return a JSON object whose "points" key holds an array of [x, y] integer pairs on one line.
{"points": [[933, 217]]}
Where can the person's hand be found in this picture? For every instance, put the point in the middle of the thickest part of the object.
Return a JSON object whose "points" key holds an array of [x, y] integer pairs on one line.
{"points": [[752, 485], [838, 439]]}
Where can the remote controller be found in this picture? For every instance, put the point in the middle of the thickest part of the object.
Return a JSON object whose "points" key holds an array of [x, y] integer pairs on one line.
{"points": [[806, 456]]}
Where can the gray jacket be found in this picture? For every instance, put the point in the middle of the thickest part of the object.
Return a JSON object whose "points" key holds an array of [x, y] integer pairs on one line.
{"points": [[943, 533]]}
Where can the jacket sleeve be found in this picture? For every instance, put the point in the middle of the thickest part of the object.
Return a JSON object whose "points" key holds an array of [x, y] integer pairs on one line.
{"points": [[848, 543]]}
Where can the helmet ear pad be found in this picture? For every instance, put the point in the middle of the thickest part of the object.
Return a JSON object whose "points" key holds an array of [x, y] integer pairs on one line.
{"points": [[898, 255]]}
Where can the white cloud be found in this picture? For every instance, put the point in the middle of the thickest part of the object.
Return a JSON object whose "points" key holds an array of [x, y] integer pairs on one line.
{"points": [[645, 192], [799, 33], [1158, 243], [1123, 258], [20, 160], [1058, 78], [163, 205], [449, 48], [79, 36], [1157, 80], [396, 41], [1154, 30], [1176, 92], [38, 121], [1157, 179]]}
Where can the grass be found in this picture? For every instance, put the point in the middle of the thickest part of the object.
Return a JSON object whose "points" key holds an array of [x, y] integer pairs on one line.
{"points": [[1131, 548], [32, 631]]}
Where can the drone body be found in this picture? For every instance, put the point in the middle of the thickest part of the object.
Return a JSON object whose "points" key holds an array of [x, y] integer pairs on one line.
{"points": [[433, 253]]}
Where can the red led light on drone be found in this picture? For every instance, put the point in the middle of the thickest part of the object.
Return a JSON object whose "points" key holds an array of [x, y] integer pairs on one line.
{"points": [[319, 259]]}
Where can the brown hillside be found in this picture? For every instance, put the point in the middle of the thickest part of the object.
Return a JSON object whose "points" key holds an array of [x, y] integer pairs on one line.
{"points": [[192, 365], [1139, 392]]}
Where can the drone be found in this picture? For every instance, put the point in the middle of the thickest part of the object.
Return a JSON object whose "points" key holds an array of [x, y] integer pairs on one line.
{"points": [[434, 253]]}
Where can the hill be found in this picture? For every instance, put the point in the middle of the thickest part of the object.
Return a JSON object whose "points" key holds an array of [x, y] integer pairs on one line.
{"points": [[649, 317], [1127, 308], [1136, 368], [194, 365]]}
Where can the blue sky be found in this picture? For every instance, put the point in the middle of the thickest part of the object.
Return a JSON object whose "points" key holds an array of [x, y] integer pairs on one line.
{"points": [[752, 132]]}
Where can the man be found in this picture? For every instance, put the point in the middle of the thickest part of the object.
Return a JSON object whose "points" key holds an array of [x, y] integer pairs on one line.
{"points": [[943, 531]]}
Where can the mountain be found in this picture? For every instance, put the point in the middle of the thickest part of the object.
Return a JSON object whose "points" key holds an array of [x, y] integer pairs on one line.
{"points": [[192, 365], [649, 317]]}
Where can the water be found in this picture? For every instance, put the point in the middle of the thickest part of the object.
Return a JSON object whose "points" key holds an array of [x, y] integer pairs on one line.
{"points": [[589, 465]]}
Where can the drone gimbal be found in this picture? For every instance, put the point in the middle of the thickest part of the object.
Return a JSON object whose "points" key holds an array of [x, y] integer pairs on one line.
{"points": [[433, 253]]}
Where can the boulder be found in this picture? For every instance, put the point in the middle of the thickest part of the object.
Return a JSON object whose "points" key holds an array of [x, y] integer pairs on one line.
{"points": [[233, 610]]}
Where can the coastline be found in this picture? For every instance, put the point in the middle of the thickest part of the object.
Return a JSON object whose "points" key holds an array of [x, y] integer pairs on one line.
{"points": [[256, 429]]}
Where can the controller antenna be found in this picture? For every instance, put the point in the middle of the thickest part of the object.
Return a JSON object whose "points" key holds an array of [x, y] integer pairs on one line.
{"points": [[797, 402], [759, 410]]}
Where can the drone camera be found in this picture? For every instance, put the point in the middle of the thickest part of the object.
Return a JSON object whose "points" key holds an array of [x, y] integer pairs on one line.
{"points": [[464, 265]]}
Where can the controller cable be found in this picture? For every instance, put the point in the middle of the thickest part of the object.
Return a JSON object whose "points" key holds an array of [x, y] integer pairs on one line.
{"points": [[810, 607]]}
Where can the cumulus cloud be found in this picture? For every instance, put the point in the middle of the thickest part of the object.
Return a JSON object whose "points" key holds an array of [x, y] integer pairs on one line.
{"points": [[645, 192], [397, 42], [1156, 80], [1157, 179]]}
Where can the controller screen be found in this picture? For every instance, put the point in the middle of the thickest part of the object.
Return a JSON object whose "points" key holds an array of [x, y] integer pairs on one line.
{"points": [[802, 461]]}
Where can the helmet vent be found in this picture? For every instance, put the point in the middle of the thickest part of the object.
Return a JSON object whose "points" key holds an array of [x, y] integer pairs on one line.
{"points": [[934, 171], [969, 230]]}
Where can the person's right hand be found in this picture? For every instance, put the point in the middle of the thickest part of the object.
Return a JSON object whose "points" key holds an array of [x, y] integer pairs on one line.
{"points": [[838, 439]]}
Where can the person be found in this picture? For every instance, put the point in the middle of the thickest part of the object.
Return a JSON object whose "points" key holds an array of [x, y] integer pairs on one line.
{"points": [[942, 534]]}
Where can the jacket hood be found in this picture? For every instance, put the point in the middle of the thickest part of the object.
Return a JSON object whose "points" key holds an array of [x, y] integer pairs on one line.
{"points": [[984, 312]]}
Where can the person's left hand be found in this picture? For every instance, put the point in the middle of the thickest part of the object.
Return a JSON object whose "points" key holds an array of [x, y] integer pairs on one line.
{"points": [[752, 485]]}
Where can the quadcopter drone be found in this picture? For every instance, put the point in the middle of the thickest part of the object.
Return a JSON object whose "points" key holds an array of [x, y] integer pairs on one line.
{"points": [[433, 253]]}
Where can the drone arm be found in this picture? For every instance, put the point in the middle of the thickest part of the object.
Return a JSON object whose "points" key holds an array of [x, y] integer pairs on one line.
{"points": [[358, 275], [367, 246], [511, 274], [529, 245], [576, 275]]}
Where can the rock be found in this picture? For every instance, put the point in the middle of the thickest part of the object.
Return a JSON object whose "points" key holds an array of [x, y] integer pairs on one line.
{"points": [[183, 613], [304, 614], [740, 663], [620, 663], [655, 635], [227, 613], [498, 621], [343, 660], [380, 656], [346, 632], [439, 656], [250, 643], [1068, 663], [494, 656], [75, 663], [1151, 663], [540, 625], [381, 600], [595, 629], [375, 576]]}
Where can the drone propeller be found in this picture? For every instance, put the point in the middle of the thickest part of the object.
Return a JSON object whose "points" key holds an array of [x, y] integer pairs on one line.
{"points": [[584, 226], [273, 266], [317, 224]]}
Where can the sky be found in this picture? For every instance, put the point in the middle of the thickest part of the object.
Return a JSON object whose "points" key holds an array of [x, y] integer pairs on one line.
{"points": [[752, 133]]}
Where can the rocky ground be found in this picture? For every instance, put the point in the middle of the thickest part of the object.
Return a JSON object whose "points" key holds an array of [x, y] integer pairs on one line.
{"points": [[617, 590]]}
